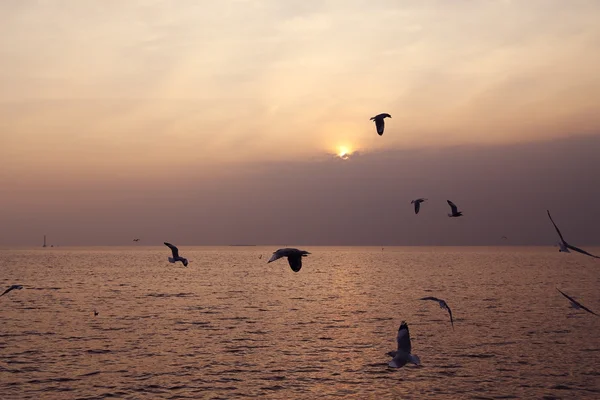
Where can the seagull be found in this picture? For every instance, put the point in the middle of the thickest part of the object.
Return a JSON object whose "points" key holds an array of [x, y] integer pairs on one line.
{"points": [[443, 305], [504, 237], [136, 240], [417, 204], [455, 212], [13, 287], [575, 304], [564, 246], [176, 257], [379, 122], [294, 257], [403, 355], [96, 313]]}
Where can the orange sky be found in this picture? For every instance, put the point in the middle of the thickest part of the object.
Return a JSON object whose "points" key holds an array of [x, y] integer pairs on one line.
{"points": [[139, 89]]}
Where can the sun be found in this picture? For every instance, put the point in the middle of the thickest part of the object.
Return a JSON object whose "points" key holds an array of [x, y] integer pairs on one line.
{"points": [[344, 152]]}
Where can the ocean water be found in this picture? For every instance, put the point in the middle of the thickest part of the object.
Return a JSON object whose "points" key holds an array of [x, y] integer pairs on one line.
{"points": [[232, 326]]}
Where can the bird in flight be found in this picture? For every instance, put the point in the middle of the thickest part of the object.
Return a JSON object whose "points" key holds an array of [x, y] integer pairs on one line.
{"points": [[379, 124], [455, 212], [13, 287], [575, 304], [564, 246], [403, 355], [176, 257], [136, 240], [294, 257], [417, 204], [443, 305]]}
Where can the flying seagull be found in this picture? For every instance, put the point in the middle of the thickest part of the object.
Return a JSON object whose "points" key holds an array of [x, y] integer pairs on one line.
{"points": [[294, 257], [379, 122], [136, 240], [455, 212], [504, 237], [575, 304], [13, 287], [417, 204], [564, 246], [176, 257], [403, 355], [443, 305]]}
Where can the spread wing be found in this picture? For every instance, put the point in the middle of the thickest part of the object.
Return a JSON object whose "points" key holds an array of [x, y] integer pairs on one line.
{"points": [[417, 206], [452, 206], [6, 291], [576, 302], [430, 298], [380, 125], [556, 227], [449, 313], [295, 262], [580, 250], [174, 249]]}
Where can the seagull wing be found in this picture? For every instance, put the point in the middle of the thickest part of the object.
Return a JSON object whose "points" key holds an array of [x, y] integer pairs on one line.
{"points": [[174, 249], [295, 262], [380, 125], [430, 298], [452, 206], [276, 256], [417, 206], [556, 227], [449, 313], [580, 250], [6, 291], [576, 302]]}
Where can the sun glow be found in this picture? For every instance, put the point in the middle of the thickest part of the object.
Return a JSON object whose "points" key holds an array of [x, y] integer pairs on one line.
{"points": [[344, 152]]}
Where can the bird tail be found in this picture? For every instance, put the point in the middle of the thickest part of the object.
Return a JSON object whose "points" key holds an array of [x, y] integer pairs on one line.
{"points": [[413, 358], [171, 260]]}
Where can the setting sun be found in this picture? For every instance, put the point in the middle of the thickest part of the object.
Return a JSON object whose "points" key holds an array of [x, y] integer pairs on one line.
{"points": [[344, 152]]}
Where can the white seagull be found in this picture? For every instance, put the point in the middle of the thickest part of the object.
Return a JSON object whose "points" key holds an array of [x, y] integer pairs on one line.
{"points": [[575, 304], [403, 354], [455, 212], [379, 122], [443, 305], [176, 257], [294, 257], [564, 246], [13, 287], [417, 204]]}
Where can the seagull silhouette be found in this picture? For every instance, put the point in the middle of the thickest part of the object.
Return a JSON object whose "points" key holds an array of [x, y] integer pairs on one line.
{"points": [[379, 124], [176, 257], [294, 257], [403, 354], [443, 305], [564, 246], [455, 212], [13, 287], [575, 304], [417, 204]]}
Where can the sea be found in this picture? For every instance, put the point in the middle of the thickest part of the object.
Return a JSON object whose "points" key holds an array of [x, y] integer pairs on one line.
{"points": [[232, 326]]}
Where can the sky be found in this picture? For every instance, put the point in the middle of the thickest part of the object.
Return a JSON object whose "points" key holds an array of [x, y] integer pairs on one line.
{"points": [[208, 122]]}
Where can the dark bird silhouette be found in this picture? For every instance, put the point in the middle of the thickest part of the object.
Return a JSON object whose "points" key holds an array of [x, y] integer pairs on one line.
{"points": [[417, 204], [294, 257], [379, 124], [136, 240], [176, 257], [403, 354], [455, 212], [96, 313], [575, 304], [443, 305], [11, 288], [564, 246]]}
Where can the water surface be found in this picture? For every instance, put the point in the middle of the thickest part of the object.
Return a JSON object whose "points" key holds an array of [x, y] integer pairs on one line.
{"points": [[231, 326]]}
